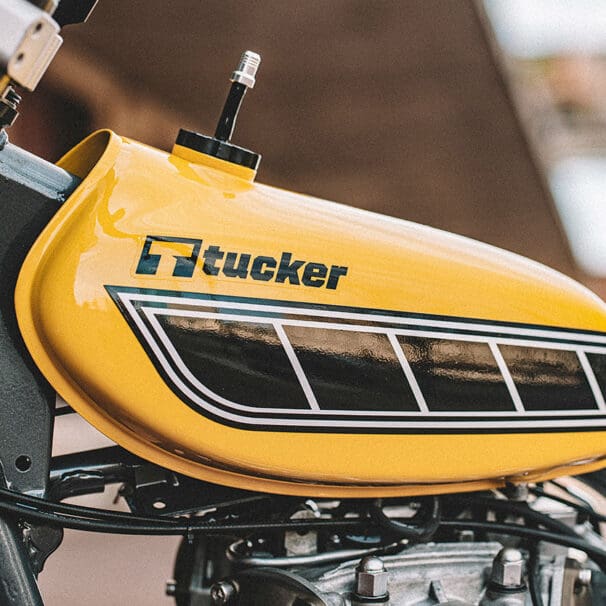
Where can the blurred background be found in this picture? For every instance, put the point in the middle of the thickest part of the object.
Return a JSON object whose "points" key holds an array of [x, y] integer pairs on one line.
{"points": [[486, 118]]}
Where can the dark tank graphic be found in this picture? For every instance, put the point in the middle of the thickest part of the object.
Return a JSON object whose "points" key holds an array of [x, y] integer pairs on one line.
{"points": [[281, 366]]}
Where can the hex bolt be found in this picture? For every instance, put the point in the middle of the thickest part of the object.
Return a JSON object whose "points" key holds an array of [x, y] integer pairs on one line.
{"points": [[507, 568], [222, 592], [371, 578]]}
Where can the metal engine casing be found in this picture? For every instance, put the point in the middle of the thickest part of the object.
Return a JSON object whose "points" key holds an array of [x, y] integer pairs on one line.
{"points": [[452, 574], [271, 341], [461, 569]]}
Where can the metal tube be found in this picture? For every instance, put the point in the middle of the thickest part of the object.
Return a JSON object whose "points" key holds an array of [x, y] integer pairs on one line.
{"points": [[329, 557]]}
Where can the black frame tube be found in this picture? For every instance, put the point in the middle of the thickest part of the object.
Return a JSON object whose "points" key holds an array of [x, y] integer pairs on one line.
{"points": [[18, 584], [31, 191]]}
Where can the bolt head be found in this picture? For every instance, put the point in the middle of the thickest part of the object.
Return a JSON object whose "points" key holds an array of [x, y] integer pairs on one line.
{"points": [[222, 592], [507, 568], [584, 577], [171, 588], [371, 564], [371, 578]]}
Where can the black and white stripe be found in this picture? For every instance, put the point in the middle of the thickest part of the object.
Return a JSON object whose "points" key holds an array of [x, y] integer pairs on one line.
{"points": [[262, 364]]}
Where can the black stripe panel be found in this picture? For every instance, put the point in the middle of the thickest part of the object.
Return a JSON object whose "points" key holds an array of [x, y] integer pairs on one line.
{"points": [[350, 370], [457, 375], [598, 365], [548, 379], [241, 361]]}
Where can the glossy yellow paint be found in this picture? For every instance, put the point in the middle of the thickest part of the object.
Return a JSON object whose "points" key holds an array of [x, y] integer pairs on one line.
{"points": [[191, 155], [89, 354], [4, 82]]}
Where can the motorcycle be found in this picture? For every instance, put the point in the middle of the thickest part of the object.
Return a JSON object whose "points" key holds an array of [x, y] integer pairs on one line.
{"points": [[330, 406]]}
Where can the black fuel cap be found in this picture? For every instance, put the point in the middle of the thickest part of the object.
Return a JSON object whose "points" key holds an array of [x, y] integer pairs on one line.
{"points": [[219, 146]]}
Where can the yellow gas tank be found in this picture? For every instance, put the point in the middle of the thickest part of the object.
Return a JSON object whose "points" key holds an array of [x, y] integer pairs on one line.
{"points": [[266, 340]]}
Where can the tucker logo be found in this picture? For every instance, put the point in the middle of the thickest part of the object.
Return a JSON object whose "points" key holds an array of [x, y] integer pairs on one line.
{"points": [[231, 264]]}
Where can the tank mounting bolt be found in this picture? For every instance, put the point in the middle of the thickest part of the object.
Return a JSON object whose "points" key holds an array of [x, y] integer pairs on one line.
{"points": [[371, 578]]}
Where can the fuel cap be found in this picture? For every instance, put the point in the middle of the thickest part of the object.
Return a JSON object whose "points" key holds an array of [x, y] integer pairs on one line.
{"points": [[220, 146]]}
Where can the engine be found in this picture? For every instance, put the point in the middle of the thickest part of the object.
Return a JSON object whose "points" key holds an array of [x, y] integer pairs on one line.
{"points": [[519, 547]]}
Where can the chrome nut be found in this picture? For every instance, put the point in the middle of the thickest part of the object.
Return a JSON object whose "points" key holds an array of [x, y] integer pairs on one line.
{"points": [[507, 568], [371, 578]]}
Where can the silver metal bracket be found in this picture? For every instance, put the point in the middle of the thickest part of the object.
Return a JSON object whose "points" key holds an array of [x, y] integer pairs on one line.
{"points": [[29, 40]]}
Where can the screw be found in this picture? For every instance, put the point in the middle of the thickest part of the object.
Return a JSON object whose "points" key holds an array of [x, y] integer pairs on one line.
{"points": [[222, 592], [171, 588]]}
